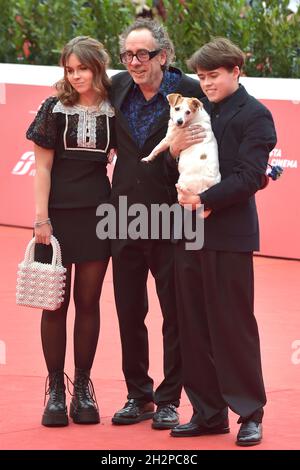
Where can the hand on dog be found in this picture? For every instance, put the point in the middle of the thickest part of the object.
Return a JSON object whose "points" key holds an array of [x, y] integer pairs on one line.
{"points": [[186, 197], [183, 137]]}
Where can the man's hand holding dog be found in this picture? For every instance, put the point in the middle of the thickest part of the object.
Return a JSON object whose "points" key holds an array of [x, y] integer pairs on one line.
{"points": [[186, 197], [184, 137]]}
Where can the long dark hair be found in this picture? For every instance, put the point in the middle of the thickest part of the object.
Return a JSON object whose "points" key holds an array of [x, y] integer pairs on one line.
{"points": [[92, 54]]}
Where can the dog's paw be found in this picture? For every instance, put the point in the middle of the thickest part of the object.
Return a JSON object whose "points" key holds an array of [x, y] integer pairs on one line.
{"points": [[146, 159]]}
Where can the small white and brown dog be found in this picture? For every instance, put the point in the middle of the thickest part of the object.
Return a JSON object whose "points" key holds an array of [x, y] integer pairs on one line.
{"points": [[198, 164]]}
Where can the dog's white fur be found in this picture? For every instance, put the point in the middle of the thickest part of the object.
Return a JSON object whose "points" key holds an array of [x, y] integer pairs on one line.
{"points": [[198, 164]]}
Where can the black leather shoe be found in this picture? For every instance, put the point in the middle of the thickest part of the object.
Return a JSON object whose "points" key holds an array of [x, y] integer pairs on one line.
{"points": [[250, 434], [165, 417], [55, 413], [134, 411], [193, 429], [84, 406]]}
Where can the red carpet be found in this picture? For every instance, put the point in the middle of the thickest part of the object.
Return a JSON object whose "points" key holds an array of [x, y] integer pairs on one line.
{"points": [[22, 369]]}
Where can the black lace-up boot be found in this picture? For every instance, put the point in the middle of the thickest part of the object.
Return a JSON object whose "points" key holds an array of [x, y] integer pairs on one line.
{"points": [[84, 406], [55, 413]]}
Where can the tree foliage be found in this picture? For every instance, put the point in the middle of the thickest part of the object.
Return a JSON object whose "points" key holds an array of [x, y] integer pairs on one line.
{"points": [[267, 31], [34, 31]]}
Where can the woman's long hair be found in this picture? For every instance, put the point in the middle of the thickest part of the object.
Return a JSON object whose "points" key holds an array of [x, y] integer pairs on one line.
{"points": [[92, 54]]}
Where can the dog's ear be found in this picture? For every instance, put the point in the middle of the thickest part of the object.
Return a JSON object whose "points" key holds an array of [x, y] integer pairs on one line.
{"points": [[195, 104], [173, 98]]}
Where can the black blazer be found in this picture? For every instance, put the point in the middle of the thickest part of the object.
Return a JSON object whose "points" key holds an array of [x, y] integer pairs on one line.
{"points": [[140, 182], [245, 134]]}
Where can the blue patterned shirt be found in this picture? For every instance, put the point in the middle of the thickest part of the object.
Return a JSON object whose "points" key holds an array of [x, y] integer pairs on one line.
{"points": [[142, 114]]}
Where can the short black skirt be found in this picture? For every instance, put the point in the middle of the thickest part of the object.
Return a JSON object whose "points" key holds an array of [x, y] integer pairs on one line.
{"points": [[75, 230]]}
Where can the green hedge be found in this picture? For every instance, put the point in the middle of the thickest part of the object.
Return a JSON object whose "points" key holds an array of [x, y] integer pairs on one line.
{"points": [[34, 31], [45, 26], [269, 35]]}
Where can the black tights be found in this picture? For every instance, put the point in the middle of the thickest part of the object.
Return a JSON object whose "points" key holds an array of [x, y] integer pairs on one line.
{"points": [[87, 289]]}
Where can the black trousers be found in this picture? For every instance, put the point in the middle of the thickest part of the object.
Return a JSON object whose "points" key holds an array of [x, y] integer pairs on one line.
{"points": [[132, 260], [218, 333]]}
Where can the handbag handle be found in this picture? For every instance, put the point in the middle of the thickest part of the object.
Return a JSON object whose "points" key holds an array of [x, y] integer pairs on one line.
{"points": [[56, 256]]}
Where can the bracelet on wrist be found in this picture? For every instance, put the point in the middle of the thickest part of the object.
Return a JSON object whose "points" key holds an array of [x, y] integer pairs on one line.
{"points": [[42, 222]]}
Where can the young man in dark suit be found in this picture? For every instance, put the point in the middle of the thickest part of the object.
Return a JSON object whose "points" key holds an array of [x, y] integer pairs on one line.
{"points": [[218, 331], [142, 115]]}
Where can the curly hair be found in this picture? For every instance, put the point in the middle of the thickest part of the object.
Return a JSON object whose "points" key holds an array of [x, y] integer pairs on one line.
{"points": [[159, 34], [92, 54]]}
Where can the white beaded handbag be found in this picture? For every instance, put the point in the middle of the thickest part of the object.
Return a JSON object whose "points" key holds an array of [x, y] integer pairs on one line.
{"points": [[40, 285]]}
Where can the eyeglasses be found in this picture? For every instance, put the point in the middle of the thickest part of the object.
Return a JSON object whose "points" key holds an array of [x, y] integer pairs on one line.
{"points": [[142, 55]]}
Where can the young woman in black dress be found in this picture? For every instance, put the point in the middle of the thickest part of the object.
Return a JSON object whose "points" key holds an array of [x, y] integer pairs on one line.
{"points": [[72, 135]]}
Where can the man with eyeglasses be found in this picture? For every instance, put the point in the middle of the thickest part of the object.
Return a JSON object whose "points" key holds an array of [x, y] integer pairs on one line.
{"points": [[142, 115]]}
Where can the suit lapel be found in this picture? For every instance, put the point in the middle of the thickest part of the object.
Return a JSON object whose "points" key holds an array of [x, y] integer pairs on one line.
{"points": [[127, 83], [228, 110]]}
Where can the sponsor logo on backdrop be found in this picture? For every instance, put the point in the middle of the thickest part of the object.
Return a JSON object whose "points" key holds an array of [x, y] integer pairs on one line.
{"points": [[2, 352], [276, 158], [25, 165], [295, 358]]}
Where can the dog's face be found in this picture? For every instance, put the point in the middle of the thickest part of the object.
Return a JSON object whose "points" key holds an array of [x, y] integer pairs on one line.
{"points": [[183, 109]]}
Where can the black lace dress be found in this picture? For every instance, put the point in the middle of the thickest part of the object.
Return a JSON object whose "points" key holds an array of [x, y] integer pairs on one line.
{"points": [[81, 138]]}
